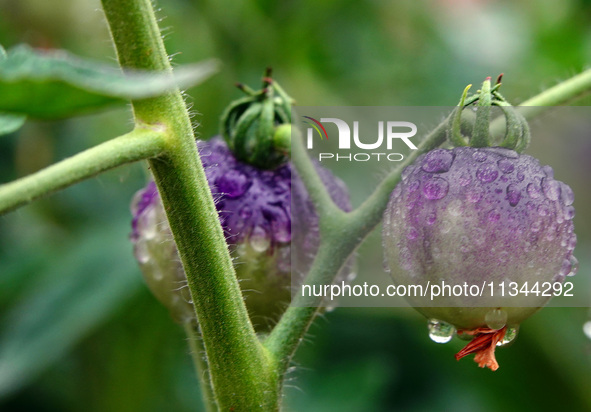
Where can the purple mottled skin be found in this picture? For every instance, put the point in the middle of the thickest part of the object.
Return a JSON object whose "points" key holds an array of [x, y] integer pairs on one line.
{"points": [[256, 208], [474, 215]]}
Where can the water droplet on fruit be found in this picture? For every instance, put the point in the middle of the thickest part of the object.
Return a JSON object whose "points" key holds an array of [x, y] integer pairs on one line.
{"points": [[520, 177], [551, 188], [413, 186], [437, 161], [479, 156], [146, 224], [572, 242], [513, 194], [465, 179], [435, 188], [397, 190], [510, 335], [565, 268], [259, 240], [574, 263], [494, 216], [569, 213], [533, 190], [568, 197], [543, 210], [439, 331], [495, 318], [536, 226], [474, 194], [548, 171], [487, 173], [142, 254], [506, 166]]}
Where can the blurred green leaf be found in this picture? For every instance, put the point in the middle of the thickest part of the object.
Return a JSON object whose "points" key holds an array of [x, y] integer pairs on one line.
{"points": [[11, 122], [55, 84], [66, 304]]}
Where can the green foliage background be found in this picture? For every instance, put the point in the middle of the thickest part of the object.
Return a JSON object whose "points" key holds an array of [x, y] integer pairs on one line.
{"points": [[78, 328]]}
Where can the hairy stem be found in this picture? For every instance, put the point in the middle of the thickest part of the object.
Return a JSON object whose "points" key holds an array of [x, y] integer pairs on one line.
{"points": [[142, 143], [343, 233], [201, 367], [242, 372]]}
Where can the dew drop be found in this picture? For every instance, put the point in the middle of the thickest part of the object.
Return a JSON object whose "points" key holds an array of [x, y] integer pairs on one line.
{"points": [[548, 171], [533, 190], [439, 331], [572, 242], [396, 192], [536, 226], [543, 210], [142, 254], [551, 188], [513, 195], [495, 318], [568, 197], [494, 216], [510, 335], [506, 166], [146, 224], [569, 213], [574, 262], [435, 188], [407, 172], [474, 194], [487, 173], [565, 268], [479, 156], [259, 240], [413, 186], [520, 177], [465, 179], [437, 161]]}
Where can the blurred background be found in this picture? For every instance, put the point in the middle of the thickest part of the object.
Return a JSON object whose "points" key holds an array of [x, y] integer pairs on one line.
{"points": [[79, 330]]}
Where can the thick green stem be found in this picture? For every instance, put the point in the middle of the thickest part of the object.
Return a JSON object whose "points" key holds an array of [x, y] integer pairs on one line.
{"points": [[142, 143], [242, 372], [201, 367]]}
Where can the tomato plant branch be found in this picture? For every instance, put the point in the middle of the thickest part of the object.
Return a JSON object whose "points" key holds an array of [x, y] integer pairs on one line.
{"points": [[141, 143], [242, 372]]}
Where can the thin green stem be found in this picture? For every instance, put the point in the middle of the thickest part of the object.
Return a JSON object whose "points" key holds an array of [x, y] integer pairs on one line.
{"points": [[201, 367], [243, 374], [142, 143], [325, 207], [342, 235]]}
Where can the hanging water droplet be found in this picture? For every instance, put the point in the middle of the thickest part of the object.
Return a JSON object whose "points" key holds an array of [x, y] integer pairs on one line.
{"points": [[142, 254], [259, 240], [574, 262], [439, 331], [495, 318], [510, 336]]}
